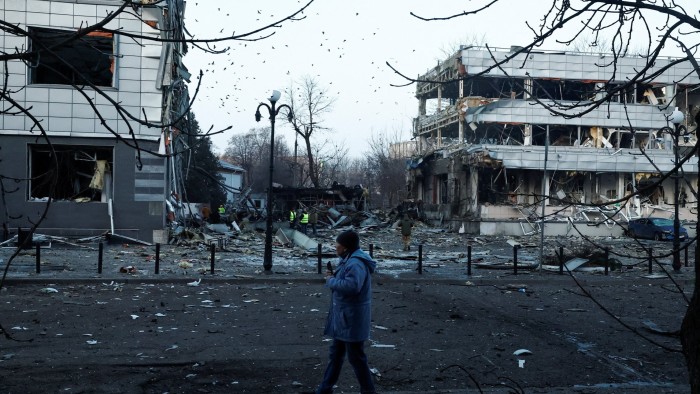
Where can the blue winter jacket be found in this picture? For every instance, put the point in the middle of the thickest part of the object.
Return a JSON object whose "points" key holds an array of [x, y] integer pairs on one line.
{"points": [[349, 316]]}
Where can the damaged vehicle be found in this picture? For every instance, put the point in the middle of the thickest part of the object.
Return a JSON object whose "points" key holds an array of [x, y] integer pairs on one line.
{"points": [[659, 229]]}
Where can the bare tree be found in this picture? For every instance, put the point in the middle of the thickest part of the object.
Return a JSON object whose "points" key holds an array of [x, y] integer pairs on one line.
{"points": [[659, 25], [310, 102], [388, 174], [332, 159], [251, 151]]}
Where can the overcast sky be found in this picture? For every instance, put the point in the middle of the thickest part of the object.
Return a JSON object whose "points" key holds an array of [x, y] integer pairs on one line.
{"points": [[344, 45]]}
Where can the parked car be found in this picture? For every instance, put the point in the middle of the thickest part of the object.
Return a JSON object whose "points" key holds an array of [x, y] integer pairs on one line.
{"points": [[659, 229]]}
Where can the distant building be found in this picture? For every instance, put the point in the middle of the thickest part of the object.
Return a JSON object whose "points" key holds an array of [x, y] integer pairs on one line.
{"points": [[403, 149], [488, 151], [233, 179]]}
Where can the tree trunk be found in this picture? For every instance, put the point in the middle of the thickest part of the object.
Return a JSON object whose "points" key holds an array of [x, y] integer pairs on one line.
{"points": [[312, 168], [690, 338], [690, 328]]}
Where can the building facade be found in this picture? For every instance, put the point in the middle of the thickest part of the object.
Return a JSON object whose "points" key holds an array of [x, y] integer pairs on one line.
{"points": [[493, 141], [233, 180], [86, 115]]}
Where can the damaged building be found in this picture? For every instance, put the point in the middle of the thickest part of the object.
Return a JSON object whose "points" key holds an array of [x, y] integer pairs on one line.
{"points": [[490, 148], [103, 99]]}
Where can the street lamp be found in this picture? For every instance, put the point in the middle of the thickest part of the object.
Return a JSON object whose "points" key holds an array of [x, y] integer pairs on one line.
{"points": [[676, 117], [272, 111]]}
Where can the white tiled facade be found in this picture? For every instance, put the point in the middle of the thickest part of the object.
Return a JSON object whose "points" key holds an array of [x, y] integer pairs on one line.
{"points": [[65, 111]]}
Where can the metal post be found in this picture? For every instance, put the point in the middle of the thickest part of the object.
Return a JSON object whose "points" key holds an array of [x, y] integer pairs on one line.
{"points": [[515, 259], [544, 198], [267, 260], [213, 257], [469, 260], [38, 258], [371, 250], [676, 220], [319, 259], [420, 258], [561, 260], [651, 260], [687, 245], [272, 110], [607, 261], [100, 251], [157, 258]]}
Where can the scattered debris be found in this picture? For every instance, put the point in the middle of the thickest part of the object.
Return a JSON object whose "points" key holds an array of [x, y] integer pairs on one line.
{"points": [[128, 270]]}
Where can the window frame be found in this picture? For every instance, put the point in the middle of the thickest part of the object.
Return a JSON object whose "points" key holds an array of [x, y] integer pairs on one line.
{"points": [[39, 74]]}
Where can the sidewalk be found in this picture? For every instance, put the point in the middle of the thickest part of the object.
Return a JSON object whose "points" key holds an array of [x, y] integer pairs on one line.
{"points": [[137, 264]]}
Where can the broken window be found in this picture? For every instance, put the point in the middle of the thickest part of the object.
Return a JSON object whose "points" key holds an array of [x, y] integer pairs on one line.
{"points": [[81, 173], [89, 59]]}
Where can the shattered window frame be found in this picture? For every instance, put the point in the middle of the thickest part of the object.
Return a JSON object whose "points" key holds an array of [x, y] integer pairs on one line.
{"points": [[93, 57], [80, 169]]}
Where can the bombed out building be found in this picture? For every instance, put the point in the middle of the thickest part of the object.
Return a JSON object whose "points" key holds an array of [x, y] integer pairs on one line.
{"points": [[85, 119], [489, 149]]}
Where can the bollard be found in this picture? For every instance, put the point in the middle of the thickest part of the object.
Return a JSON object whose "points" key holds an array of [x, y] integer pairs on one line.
{"points": [[687, 245], [469, 260], [515, 259], [24, 238], [100, 252], [371, 250], [420, 259], [607, 261], [561, 260], [319, 258], [157, 258], [213, 257], [38, 258]]}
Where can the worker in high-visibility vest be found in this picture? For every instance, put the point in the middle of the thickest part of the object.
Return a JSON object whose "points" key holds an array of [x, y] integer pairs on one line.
{"points": [[304, 221], [292, 219], [222, 214]]}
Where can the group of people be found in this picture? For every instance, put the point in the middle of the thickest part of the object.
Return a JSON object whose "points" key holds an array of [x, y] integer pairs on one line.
{"points": [[302, 219]]}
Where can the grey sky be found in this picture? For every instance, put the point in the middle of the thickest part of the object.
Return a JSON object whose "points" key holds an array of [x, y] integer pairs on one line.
{"points": [[344, 45]]}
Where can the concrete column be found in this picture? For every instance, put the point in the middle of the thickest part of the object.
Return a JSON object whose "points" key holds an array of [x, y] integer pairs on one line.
{"points": [[439, 99], [527, 134], [461, 119], [620, 185], [421, 106], [671, 95], [473, 189]]}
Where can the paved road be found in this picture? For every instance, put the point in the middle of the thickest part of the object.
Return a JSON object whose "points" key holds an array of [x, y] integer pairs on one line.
{"points": [[262, 334]]}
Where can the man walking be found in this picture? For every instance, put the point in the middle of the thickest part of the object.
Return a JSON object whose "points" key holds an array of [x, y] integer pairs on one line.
{"points": [[349, 316]]}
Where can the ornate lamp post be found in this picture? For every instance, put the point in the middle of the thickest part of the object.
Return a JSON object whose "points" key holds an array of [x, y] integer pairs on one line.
{"points": [[272, 111], [676, 117]]}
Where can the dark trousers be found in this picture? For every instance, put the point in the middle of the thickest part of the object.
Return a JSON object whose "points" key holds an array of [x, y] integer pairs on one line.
{"points": [[358, 361]]}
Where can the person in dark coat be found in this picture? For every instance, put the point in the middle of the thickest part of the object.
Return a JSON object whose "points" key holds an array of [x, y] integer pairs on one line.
{"points": [[349, 317]]}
